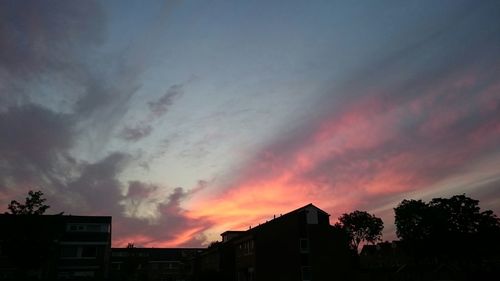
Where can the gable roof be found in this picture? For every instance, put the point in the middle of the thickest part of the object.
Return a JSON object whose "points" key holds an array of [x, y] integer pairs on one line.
{"points": [[275, 219]]}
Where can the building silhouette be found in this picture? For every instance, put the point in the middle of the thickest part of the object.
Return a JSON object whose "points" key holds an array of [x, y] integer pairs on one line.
{"points": [[54, 247], [300, 245], [153, 264], [393, 261]]}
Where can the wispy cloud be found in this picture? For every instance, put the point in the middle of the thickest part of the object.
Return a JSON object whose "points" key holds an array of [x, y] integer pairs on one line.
{"points": [[397, 128], [418, 111], [160, 106], [52, 48], [157, 109]]}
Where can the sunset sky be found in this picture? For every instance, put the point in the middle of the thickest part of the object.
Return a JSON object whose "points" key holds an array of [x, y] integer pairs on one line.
{"points": [[183, 119]]}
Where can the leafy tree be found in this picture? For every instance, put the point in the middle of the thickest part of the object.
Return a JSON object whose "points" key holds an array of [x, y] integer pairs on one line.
{"points": [[414, 220], [34, 205], [453, 227], [361, 227], [417, 220], [29, 244], [461, 214]]}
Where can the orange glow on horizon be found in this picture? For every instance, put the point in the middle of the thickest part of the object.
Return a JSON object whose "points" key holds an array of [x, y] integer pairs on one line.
{"points": [[347, 161]]}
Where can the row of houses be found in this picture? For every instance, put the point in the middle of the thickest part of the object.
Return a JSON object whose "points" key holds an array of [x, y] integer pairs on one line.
{"points": [[300, 245]]}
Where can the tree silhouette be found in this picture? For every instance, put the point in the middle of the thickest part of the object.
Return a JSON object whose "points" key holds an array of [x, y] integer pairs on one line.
{"points": [[417, 220], [361, 226], [452, 227], [29, 239], [414, 220], [461, 214], [33, 205]]}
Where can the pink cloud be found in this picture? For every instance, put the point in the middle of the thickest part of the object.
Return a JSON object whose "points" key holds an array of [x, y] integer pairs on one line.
{"points": [[373, 148]]}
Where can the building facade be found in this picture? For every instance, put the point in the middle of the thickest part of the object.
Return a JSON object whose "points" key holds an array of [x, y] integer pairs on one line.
{"points": [[153, 264], [54, 247], [298, 246]]}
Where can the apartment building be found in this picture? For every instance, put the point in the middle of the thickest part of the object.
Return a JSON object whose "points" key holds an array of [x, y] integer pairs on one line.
{"points": [[54, 247], [153, 264], [300, 245]]}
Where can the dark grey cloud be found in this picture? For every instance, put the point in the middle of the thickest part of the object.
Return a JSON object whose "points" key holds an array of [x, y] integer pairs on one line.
{"points": [[97, 186], [135, 133], [157, 108], [160, 106], [138, 189], [172, 222], [55, 44], [34, 143], [44, 47], [34, 154], [39, 36], [40, 39], [174, 217], [48, 51], [94, 189], [50, 42]]}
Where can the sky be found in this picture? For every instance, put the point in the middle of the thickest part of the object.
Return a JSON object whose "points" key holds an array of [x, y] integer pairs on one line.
{"points": [[184, 119]]}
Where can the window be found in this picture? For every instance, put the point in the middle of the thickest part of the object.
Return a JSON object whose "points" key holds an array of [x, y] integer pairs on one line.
{"points": [[88, 227], [306, 273], [89, 252], [119, 254], [312, 216], [304, 245], [246, 248], [69, 252], [84, 274], [94, 228], [116, 265], [246, 274], [77, 252], [251, 274]]}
